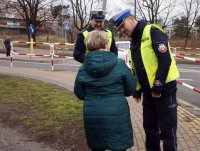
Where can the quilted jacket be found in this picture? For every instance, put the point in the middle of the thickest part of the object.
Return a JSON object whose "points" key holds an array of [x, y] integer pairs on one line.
{"points": [[103, 82]]}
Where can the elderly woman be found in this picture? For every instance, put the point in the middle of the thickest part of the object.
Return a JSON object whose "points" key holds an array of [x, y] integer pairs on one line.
{"points": [[103, 82]]}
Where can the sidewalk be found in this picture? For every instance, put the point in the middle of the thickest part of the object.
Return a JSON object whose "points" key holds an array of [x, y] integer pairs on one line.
{"points": [[188, 124]]}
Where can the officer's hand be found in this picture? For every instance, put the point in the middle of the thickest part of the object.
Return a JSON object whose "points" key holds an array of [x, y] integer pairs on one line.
{"points": [[137, 96], [156, 89]]}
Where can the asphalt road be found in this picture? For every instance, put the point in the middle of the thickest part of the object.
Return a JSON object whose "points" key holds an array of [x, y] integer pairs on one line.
{"points": [[190, 74]]}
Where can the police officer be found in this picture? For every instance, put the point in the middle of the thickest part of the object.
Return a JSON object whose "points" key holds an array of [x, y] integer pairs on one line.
{"points": [[96, 23], [156, 71]]}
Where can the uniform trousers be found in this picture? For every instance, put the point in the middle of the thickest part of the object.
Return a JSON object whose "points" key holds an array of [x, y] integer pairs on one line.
{"points": [[160, 120]]}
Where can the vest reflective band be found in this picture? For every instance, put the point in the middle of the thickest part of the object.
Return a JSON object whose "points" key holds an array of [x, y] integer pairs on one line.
{"points": [[109, 34], [150, 60]]}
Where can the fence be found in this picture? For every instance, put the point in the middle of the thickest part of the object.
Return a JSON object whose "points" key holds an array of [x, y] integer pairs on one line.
{"points": [[30, 54], [1, 43], [123, 53]]}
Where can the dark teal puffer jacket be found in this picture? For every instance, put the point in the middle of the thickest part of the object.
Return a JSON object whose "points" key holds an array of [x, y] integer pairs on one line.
{"points": [[103, 82]]}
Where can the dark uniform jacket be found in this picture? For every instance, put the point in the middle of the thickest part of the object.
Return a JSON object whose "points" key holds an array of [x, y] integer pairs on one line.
{"points": [[80, 48], [164, 61], [7, 44], [103, 82]]}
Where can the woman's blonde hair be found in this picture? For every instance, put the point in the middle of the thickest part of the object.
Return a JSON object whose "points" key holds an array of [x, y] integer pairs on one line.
{"points": [[96, 40]]}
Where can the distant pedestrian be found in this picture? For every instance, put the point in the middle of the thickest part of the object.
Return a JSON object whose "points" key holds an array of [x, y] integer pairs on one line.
{"points": [[7, 45], [103, 82]]}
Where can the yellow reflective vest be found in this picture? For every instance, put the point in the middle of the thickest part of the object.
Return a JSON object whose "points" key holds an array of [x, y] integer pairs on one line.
{"points": [[109, 34], [150, 60]]}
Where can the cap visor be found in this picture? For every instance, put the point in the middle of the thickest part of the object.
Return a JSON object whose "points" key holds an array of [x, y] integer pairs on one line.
{"points": [[120, 25]]}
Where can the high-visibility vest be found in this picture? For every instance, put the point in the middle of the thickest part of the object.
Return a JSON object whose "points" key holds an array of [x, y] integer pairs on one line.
{"points": [[150, 60], [109, 34]]}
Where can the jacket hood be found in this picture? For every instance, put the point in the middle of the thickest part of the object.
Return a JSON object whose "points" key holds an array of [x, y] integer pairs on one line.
{"points": [[99, 63]]}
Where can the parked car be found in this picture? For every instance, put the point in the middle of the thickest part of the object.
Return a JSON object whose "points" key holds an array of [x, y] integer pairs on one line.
{"points": [[124, 51], [123, 45]]}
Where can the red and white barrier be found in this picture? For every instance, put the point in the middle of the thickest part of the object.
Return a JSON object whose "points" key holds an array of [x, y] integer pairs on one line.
{"points": [[29, 54], [188, 86], [187, 58], [61, 56], [188, 48], [1, 43], [60, 43], [51, 53]]}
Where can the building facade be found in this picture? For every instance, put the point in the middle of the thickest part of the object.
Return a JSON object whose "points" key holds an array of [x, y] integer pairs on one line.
{"points": [[169, 30], [11, 22]]}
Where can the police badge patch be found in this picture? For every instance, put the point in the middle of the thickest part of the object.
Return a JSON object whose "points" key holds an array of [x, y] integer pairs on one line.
{"points": [[162, 48]]}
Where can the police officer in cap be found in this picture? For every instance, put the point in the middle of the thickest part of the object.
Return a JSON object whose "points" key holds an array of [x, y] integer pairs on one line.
{"points": [[156, 71], [96, 23]]}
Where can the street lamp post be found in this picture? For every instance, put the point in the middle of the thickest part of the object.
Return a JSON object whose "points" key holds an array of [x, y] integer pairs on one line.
{"points": [[62, 18], [135, 9], [104, 5]]}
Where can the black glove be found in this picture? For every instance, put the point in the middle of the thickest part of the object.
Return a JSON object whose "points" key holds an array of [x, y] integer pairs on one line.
{"points": [[157, 88]]}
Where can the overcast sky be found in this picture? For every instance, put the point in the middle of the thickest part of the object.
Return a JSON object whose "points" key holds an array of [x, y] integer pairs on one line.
{"points": [[114, 6]]}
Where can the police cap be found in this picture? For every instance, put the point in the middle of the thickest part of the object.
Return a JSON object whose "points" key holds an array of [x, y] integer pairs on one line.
{"points": [[97, 14], [120, 17]]}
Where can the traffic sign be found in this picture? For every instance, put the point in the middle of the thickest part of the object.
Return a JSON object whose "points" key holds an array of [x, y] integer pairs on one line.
{"points": [[66, 25], [32, 29]]}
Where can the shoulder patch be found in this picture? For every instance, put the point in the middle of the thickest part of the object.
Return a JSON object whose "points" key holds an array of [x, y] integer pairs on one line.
{"points": [[162, 48]]}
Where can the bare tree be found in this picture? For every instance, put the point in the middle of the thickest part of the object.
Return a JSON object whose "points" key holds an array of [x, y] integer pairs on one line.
{"points": [[191, 10], [2, 6], [197, 23], [35, 12], [80, 12], [180, 28], [154, 10]]}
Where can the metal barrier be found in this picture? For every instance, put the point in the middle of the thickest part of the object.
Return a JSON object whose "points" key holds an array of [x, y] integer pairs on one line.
{"points": [[123, 54], [186, 58], [51, 53], [64, 44], [183, 57], [30, 54], [188, 48], [188, 86], [1, 43]]}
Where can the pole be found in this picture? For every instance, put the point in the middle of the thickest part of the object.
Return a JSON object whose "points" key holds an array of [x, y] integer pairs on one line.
{"points": [[31, 44], [135, 9], [62, 34], [65, 36], [104, 5]]}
